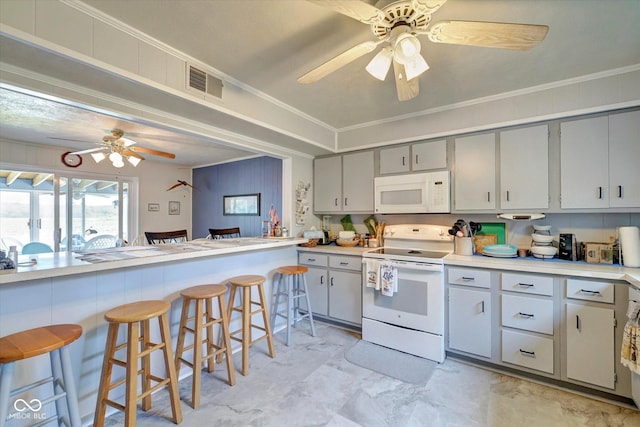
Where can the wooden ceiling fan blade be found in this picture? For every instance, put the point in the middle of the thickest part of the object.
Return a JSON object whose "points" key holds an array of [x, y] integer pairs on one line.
{"points": [[488, 34], [407, 89], [338, 62], [355, 9], [89, 150], [132, 154], [153, 152]]}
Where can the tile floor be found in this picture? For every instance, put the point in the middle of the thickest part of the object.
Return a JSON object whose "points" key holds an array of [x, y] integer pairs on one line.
{"points": [[311, 384]]}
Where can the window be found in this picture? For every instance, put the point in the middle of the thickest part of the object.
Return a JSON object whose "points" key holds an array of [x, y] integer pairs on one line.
{"points": [[33, 205]]}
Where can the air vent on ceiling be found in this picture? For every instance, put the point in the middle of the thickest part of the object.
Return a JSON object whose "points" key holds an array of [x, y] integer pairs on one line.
{"points": [[206, 83]]}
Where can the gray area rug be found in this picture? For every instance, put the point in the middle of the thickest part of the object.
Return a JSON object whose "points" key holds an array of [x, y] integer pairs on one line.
{"points": [[392, 363]]}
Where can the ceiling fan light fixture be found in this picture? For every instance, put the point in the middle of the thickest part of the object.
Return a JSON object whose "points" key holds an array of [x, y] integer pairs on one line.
{"points": [[380, 64], [98, 157], [414, 68], [134, 160], [406, 48], [115, 157]]}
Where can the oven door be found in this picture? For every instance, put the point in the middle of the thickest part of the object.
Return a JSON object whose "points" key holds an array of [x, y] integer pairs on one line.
{"points": [[419, 302]]}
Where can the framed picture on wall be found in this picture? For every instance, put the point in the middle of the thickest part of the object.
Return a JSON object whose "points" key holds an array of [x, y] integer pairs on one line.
{"points": [[174, 208], [242, 204], [153, 207]]}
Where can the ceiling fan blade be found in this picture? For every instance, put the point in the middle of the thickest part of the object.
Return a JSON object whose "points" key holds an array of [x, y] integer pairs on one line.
{"points": [[338, 62], [355, 9], [153, 152], [407, 89], [90, 150], [132, 153], [488, 34]]}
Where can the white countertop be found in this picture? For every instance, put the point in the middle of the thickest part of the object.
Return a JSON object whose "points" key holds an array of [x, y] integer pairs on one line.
{"points": [[65, 263], [529, 264]]}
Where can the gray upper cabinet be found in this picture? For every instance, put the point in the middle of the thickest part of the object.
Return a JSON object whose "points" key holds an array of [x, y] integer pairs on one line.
{"points": [[412, 158], [599, 160], [344, 183], [394, 160], [524, 168], [475, 172]]}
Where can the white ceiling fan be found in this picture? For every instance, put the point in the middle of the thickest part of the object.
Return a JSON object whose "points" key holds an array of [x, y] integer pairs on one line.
{"points": [[398, 23], [120, 148]]}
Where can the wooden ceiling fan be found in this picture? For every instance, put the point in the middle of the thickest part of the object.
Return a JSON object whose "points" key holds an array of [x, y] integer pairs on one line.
{"points": [[121, 148], [398, 23]]}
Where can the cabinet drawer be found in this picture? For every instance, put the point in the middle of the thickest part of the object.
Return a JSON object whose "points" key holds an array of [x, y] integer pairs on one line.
{"points": [[590, 290], [530, 314], [528, 350], [469, 277], [527, 283], [346, 262], [308, 258]]}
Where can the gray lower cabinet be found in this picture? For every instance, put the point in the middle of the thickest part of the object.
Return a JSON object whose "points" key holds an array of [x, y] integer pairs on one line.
{"points": [[556, 327], [334, 283]]}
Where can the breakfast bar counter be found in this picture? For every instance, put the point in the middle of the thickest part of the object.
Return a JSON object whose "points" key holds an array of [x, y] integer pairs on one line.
{"points": [[80, 287]]}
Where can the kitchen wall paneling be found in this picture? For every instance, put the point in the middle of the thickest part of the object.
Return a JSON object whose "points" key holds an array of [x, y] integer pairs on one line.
{"points": [[259, 175]]}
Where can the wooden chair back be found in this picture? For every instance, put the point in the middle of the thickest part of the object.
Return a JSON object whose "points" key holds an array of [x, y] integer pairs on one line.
{"points": [[224, 233], [159, 237]]}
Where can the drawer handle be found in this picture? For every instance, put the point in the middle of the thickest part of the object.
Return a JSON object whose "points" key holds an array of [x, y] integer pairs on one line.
{"points": [[528, 316], [528, 353], [322, 280], [344, 263], [332, 281], [311, 260], [526, 285], [587, 291], [466, 279]]}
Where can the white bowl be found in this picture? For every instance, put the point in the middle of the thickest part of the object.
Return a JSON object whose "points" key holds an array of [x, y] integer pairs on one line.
{"points": [[346, 235], [544, 251], [540, 227], [541, 238]]}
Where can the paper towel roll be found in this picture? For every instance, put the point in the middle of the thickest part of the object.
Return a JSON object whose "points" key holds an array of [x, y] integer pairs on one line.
{"points": [[630, 245]]}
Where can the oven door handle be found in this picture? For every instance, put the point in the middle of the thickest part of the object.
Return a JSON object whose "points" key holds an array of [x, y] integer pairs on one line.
{"points": [[416, 265]]}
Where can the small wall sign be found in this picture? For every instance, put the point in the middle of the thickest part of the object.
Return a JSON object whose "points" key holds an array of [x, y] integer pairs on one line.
{"points": [[153, 207], [174, 208]]}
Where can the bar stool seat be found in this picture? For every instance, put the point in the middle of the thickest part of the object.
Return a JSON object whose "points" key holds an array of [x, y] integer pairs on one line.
{"points": [[203, 319], [54, 340], [292, 285], [245, 283], [137, 316]]}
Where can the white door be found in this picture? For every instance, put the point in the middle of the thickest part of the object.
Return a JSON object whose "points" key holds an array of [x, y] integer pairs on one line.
{"points": [[475, 172], [429, 155], [590, 345], [317, 288], [470, 321], [524, 168], [624, 159], [584, 171], [345, 296], [327, 179], [357, 181]]}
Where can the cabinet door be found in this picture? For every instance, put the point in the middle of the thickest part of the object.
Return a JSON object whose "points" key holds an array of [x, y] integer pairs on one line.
{"points": [[524, 168], [475, 172], [345, 296], [327, 179], [584, 163], [429, 155], [318, 291], [624, 158], [470, 321], [590, 345], [357, 173], [394, 160]]}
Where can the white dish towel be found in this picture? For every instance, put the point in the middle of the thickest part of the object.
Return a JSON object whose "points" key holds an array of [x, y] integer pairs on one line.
{"points": [[373, 273], [388, 279]]}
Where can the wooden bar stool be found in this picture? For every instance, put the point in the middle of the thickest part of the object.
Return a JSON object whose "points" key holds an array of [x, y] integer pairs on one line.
{"points": [[203, 319], [245, 283], [137, 316], [292, 285], [53, 339]]}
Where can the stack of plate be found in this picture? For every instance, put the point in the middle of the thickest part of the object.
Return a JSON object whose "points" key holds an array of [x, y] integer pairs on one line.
{"points": [[500, 251]]}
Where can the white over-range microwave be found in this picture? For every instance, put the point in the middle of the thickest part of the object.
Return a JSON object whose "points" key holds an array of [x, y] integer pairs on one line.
{"points": [[413, 193]]}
